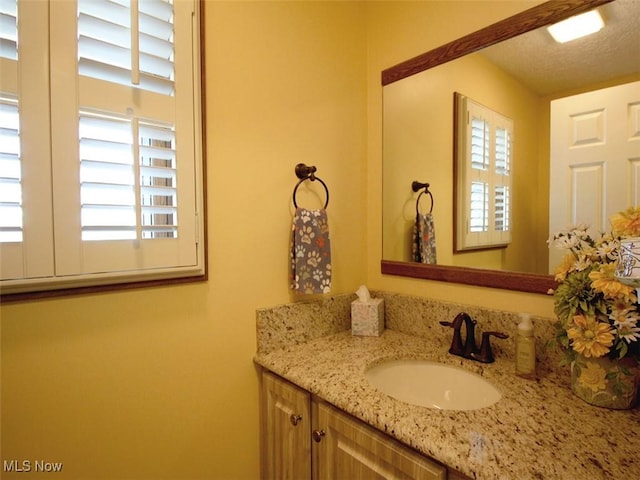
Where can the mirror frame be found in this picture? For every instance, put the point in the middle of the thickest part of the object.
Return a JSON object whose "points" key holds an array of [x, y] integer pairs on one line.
{"points": [[540, 16]]}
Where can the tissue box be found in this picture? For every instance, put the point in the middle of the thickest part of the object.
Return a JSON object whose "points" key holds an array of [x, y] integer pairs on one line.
{"points": [[367, 318]]}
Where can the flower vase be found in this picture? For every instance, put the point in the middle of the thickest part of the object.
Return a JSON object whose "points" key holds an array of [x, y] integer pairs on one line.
{"points": [[606, 382]]}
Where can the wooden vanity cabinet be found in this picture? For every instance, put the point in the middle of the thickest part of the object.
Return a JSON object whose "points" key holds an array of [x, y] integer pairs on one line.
{"points": [[350, 449], [342, 447], [285, 417]]}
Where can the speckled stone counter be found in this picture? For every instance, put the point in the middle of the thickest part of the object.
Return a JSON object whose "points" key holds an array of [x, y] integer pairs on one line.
{"points": [[538, 430]]}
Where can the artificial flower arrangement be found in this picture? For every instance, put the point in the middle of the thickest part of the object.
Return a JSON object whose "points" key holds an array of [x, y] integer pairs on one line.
{"points": [[598, 316]]}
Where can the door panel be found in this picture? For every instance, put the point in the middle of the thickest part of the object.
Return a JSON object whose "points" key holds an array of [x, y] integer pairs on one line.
{"points": [[595, 159]]}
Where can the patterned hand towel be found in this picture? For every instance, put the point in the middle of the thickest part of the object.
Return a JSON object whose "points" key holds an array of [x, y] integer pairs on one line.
{"points": [[424, 239], [310, 252]]}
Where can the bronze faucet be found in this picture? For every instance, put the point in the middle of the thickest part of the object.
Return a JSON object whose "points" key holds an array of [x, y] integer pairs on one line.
{"points": [[469, 349]]}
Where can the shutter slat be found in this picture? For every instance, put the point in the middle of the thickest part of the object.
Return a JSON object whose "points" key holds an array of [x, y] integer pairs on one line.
{"points": [[108, 216], [107, 194], [157, 190], [159, 9], [98, 28], [104, 52], [156, 47], [156, 66], [155, 27], [121, 76], [117, 13]]}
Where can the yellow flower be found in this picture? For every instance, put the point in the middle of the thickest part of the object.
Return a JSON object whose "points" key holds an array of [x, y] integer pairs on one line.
{"points": [[627, 222], [590, 337], [564, 267], [593, 377], [604, 281]]}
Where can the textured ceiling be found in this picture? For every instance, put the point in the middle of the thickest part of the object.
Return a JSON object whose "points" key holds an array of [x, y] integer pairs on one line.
{"points": [[548, 67]]}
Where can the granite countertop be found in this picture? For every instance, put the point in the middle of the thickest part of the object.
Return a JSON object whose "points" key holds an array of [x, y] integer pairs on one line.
{"points": [[538, 430]]}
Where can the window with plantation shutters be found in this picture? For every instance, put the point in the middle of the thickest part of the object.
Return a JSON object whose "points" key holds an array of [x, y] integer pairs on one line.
{"points": [[118, 163], [483, 181]]}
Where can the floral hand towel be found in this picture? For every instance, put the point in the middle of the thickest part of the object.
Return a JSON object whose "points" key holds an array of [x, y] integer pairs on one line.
{"points": [[310, 252], [424, 239]]}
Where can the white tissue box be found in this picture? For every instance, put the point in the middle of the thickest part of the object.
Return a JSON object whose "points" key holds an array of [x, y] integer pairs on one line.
{"points": [[367, 318]]}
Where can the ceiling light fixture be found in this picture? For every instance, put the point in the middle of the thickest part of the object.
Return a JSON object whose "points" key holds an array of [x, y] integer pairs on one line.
{"points": [[576, 27]]}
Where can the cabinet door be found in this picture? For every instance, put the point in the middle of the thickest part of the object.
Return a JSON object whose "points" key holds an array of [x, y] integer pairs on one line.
{"points": [[286, 430], [351, 450]]}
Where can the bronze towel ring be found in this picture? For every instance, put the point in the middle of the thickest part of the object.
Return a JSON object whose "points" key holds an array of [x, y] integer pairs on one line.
{"points": [[415, 186], [304, 172]]}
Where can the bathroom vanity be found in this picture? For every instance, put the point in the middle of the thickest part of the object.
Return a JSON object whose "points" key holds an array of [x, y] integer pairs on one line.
{"points": [[537, 429], [305, 437]]}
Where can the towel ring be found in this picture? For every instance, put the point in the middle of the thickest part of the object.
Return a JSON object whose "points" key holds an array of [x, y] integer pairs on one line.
{"points": [[304, 172], [415, 186]]}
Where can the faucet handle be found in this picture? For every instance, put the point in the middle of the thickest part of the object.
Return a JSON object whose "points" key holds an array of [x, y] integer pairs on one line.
{"points": [[486, 354], [456, 341]]}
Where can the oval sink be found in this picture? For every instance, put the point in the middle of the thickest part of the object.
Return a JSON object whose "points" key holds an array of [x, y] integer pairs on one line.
{"points": [[432, 384]]}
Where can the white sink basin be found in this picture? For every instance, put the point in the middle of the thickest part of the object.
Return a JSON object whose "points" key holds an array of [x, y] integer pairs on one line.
{"points": [[432, 384]]}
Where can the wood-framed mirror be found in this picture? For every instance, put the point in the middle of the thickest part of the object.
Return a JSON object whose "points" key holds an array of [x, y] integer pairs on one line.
{"points": [[527, 21]]}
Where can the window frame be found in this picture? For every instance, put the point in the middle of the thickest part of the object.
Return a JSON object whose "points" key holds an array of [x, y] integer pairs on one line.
{"points": [[464, 239], [51, 287]]}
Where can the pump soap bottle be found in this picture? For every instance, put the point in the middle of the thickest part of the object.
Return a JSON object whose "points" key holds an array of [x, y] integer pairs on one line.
{"points": [[525, 348]]}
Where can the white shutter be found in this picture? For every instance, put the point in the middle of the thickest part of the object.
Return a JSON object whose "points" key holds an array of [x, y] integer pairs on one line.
{"points": [[10, 171], [10, 167], [113, 47], [131, 161], [479, 131], [501, 180], [158, 181], [107, 178], [480, 142], [118, 128], [26, 242], [478, 215], [484, 176]]}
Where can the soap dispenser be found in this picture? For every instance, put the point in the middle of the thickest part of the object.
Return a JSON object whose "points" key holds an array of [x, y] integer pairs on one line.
{"points": [[525, 348]]}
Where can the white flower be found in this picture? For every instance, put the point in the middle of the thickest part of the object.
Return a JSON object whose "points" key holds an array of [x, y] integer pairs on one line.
{"points": [[582, 263], [580, 230], [627, 317], [566, 242], [629, 334], [607, 250]]}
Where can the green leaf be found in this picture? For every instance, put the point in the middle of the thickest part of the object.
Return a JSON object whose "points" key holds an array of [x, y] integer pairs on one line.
{"points": [[617, 388], [623, 349]]}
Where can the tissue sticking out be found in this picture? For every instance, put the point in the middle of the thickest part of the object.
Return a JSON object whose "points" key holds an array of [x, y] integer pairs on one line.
{"points": [[363, 294]]}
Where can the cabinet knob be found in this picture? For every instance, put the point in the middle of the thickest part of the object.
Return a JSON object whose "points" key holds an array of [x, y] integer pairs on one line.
{"points": [[317, 435], [295, 419]]}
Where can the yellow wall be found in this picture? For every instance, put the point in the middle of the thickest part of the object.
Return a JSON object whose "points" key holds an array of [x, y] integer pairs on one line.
{"points": [[159, 383]]}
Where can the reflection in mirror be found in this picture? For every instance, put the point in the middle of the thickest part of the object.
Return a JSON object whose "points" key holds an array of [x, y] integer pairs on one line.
{"points": [[418, 133], [483, 165]]}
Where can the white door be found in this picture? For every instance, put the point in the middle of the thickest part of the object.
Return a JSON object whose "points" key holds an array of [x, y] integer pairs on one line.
{"points": [[595, 159]]}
